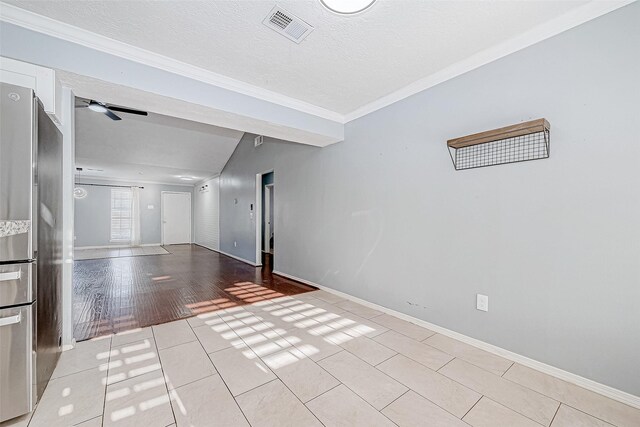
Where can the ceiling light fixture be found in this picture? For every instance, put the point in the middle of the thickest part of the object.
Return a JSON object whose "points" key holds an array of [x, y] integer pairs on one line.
{"points": [[98, 108], [79, 192], [186, 178], [347, 7]]}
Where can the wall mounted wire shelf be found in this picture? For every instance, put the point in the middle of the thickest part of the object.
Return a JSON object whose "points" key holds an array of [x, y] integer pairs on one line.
{"points": [[511, 144]]}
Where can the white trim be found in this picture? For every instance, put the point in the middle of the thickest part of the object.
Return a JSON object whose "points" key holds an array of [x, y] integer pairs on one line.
{"points": [[258, 216], [266, 235], [202, 181], [42, 80], [258, 219], [207, 247], [569, 377], [68, 115], [129, 181], [42, 24], [246, 261], [115, 246], [162, 193], [64, 31], [70, 345], [553, 27], [226, 254]]}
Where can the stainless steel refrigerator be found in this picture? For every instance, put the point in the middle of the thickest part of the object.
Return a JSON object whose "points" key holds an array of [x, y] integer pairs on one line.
{"points": [[30, 249]]}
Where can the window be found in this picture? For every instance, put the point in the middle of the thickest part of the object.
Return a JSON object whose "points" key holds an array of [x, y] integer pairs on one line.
{"points": [[121, 220]]}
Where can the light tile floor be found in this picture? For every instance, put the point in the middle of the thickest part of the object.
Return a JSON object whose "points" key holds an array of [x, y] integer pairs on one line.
{"points": [[308, 360], [84, 254]]}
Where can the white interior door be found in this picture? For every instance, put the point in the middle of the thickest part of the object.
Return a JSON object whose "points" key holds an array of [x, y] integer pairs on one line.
{"points": [[176, 218]]}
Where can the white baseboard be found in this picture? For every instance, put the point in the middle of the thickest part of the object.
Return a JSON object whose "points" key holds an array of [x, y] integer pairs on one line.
{"points": [[236, 257], [569, 377], [207, 247], [115, 246]]}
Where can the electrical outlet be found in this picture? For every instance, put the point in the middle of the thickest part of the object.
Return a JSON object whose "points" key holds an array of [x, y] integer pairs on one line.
{"points": [[235, 244], [482, 302]]}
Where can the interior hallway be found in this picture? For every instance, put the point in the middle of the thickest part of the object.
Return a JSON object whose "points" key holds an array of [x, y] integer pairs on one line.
{"points": [[117, 294]]}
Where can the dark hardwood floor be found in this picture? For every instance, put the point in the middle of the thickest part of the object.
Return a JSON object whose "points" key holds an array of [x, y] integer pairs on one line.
{"points": [[115, 294]]}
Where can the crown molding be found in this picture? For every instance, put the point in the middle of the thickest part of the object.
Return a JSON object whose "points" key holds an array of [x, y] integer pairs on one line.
{"points": [[108, 179], [202, 181], [571, 19], [42, 24]]}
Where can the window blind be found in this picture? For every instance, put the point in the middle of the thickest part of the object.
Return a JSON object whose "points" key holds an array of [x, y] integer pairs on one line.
{"points": [[121, 214]]}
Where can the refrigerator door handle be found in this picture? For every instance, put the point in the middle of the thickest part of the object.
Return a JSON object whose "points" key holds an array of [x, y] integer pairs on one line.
{"points": [[12, 275], [10, 320]]}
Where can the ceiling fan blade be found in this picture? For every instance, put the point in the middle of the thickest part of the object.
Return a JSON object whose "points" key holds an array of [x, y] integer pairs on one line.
{"points": [[127, 110], [111, 115]]}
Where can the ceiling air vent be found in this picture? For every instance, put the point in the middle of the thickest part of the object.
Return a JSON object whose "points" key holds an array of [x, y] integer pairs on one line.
{"points": [[258, 141], [287, 24]]}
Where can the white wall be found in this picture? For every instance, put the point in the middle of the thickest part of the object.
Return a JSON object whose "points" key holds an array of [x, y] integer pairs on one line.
{"points": [[554, 243], [206, 214]]}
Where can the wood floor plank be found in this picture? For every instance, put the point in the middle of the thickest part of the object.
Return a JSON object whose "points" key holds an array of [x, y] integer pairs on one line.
{"points": [[117, 294]]}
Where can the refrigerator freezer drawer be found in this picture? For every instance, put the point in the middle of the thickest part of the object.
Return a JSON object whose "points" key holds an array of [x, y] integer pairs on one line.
{"points": [[16, 361], [16, 283]]}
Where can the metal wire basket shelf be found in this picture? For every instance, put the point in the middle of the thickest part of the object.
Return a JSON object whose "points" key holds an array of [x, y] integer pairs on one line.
{"points": [[518, 143]]}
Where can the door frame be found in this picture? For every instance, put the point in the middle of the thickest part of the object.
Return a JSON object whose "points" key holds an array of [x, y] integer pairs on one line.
{"points": [[258, 216], [162, 194], [268, 197]]}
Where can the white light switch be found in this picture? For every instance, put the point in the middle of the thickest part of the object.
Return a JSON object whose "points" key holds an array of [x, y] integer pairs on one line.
{"points": [[150, 207], [482, 302]]}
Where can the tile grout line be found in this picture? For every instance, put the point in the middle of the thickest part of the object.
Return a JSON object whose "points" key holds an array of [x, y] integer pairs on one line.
{"points": [[488, 397], [217, 372], [106, 381], [507, 370], [164, 378], [257, 314], [473, 406], [586, 413], [409, 357], [383, 408], [425, 397], [380, 363], [513, 363], [253, 388], [562, 402], [555, 414], [383, 373], [442, 367], [277, 378]]}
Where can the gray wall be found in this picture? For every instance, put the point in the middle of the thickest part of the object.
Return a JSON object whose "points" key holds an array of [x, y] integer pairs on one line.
{"points": [[93, 213], [553, 243]]}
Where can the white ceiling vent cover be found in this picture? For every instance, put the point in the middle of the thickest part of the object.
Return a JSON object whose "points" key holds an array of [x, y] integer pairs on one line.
{"points": [[287, 24]]}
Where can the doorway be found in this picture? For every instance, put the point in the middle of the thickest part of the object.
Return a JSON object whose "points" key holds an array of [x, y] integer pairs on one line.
{"points": [[265, 229], [176, 218], [267, 224]]}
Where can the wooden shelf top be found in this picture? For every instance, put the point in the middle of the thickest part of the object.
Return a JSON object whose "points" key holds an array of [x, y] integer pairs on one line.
{"points": [[525, 128]]}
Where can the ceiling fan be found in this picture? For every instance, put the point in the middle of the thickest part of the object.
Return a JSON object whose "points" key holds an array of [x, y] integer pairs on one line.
{"points": [[107, 109]]}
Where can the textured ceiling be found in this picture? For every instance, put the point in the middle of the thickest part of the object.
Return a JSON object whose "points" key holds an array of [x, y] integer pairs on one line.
{"points": [[153, 148], [345, 63]]}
